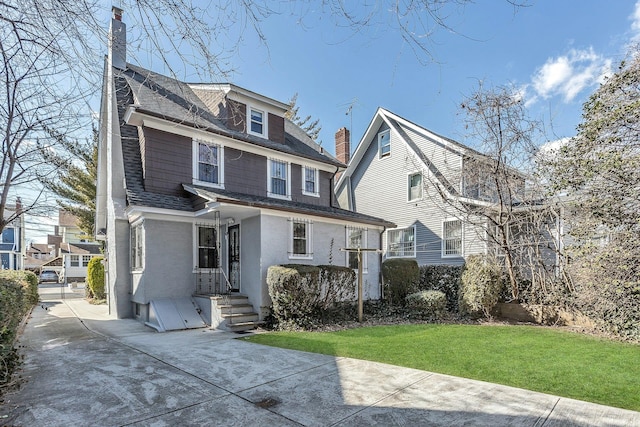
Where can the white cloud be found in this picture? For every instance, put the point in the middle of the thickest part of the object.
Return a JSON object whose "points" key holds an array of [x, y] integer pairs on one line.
{"points": [[570, 74], [635, 21]]}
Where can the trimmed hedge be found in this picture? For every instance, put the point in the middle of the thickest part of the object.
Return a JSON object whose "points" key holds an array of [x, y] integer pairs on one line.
{"points": [[302, 295], [18, 293], [481, 284], [430, 304], [400, 277], [95, 277], [443, 278]]}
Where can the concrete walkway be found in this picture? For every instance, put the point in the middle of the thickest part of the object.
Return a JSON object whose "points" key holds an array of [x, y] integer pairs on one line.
{"points": [[83, 368]]}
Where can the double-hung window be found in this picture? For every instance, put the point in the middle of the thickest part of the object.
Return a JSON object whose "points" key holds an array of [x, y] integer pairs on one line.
{"points": [[384, 143], [452, 238], [257, 125], [137, 248], [278, 184], [208, 167], [207, 238], [310, 181], [415, 187], [300, 242], [74, 260], [85, 260], [401, 242], [356, 238]]}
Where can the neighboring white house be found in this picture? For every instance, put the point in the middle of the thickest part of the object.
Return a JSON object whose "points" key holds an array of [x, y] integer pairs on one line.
{"points": [[414, 178], [75, 250], [202, 187], [12, 245]]}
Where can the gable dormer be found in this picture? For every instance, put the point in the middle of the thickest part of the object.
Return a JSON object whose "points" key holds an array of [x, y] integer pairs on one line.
{"points": [[244, 111]]}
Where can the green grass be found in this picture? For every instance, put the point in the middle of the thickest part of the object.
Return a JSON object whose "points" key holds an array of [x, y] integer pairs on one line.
{"points": [[540, 359]]}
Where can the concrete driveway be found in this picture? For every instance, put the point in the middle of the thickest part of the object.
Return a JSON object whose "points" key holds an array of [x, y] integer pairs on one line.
{"points": [[82, 368]]}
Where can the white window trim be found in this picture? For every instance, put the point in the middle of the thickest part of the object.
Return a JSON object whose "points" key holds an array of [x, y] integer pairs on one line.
{"points": [[415, 243], [279, 196], [409, 175], [380, 135], [309, 236], [442, 247], [196, 161], [265, 120], [304, 181], [364, 245], [195, 253]]}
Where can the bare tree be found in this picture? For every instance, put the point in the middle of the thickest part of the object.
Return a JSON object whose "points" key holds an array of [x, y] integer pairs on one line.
{"points": [[493, 191]]}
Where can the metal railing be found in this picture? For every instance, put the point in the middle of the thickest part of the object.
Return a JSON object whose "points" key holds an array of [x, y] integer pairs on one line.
{"points": [[212, 281]]}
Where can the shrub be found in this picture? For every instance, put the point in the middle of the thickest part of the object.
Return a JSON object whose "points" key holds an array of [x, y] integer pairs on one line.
{"points": [[18, 293], [27, 280], [480, 287], [95, 277], [303, 294], [443, 278], [607, 285], [431, 304], [400, 277]]}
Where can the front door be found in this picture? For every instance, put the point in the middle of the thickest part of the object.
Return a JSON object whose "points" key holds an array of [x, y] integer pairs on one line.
{"points": [[234, 257]]}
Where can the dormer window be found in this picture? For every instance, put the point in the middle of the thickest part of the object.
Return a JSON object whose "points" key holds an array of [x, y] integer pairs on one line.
{"points": [[257, 124], [384, 143], [207, 163]]}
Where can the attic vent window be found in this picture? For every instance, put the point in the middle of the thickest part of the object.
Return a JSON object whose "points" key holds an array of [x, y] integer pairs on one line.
{"points": [[384, 143]]}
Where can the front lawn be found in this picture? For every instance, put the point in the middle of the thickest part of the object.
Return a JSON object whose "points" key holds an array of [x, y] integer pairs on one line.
{"points": [[540, 359]]}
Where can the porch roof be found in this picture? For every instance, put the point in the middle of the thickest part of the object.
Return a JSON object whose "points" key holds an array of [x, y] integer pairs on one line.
{"points": [[223, 196]]}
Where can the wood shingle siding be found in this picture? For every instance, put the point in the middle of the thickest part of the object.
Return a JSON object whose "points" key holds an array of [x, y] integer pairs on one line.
{"points": [[167, 162], [245, 172], [276, 128]]}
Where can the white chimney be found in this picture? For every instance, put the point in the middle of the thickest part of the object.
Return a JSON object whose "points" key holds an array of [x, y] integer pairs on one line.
{"points": [[118, 40]]}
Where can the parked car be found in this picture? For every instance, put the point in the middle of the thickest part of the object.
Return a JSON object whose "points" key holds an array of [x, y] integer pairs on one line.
{"points": [[48, 276]]}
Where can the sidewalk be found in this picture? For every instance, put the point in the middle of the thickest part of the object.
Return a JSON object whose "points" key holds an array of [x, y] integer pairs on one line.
{"points": [[83, 368]]}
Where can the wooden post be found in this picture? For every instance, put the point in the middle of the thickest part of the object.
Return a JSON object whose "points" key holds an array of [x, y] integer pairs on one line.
{"points": [[360, 308]]}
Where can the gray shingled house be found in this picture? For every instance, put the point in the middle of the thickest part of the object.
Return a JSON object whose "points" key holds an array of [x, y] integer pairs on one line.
{"points": [[201, 188], [422, 177]]}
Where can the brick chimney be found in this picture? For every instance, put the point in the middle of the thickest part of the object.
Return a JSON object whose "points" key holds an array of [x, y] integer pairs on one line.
{"points": [[343, 145], [118, 40]]}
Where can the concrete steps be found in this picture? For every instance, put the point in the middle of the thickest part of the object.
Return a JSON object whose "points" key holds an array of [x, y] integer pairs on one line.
{"points": [[236, 314]]}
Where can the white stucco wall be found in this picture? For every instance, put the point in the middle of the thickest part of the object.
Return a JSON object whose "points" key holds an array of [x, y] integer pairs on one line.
{"points": [[168, 261]]}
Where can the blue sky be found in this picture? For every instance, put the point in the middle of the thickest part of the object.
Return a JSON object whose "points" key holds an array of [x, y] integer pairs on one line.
{"points": [[555, 51]]}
